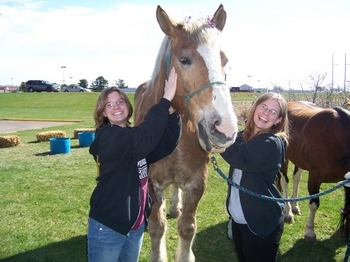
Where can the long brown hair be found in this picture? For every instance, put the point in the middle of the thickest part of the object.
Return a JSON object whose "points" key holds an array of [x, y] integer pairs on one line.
{"points": [[100, 119], [281, 129]]}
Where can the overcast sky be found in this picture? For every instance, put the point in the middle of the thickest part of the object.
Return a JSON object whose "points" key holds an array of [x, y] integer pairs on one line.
{"points": [[273, 41]]}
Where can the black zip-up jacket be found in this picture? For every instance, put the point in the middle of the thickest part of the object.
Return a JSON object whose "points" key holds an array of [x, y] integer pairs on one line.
{"points": [[115, 201], [259, 159]]}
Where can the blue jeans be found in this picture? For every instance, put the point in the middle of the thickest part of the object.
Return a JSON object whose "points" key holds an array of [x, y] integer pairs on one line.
{"points": [[106, 245]]}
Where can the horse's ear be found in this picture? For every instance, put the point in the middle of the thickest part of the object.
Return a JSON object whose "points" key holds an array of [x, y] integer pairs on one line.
{"points": [[219, 18], [165, 22]]}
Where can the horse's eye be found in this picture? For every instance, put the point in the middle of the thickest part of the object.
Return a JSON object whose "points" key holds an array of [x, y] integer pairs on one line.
{"points": [[184, 61]]}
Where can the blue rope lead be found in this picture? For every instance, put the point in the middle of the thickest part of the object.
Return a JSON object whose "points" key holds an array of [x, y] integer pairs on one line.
{"points": [[340, 184], [228, 180]]}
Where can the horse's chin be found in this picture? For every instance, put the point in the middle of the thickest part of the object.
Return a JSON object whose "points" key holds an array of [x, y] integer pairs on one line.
{"points": [[210, 146], [218, 150]]}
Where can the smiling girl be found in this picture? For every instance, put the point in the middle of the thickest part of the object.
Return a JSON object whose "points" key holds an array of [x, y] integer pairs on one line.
{"points": [[255, 159]]}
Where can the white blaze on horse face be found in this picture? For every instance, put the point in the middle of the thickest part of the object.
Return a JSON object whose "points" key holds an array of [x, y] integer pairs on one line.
{"points": [[221, 95]]}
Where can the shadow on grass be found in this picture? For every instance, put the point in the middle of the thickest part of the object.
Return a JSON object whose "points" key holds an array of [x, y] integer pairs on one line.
{"points": [[48, 153], [213, 244], [34, 142], [43, 154], [73, 249], [320, 251]]}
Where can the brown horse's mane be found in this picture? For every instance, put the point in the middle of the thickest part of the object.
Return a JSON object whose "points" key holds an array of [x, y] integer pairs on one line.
{"points": [[344, 115]]}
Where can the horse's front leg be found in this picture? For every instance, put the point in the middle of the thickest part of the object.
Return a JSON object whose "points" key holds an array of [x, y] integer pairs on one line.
{"points": [[157, 227], [187, 225], [313, 188]]}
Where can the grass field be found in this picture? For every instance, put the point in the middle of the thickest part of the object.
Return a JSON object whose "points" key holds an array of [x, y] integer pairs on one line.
{"points": [[45, 198]]}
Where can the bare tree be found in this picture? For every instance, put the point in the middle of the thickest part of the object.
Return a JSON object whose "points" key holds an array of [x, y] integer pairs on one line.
{"points": [[315, 83], [275, 87]]}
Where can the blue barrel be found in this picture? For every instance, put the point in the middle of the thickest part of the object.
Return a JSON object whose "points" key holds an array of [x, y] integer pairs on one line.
{"points": [[86, 138], [60, 145]]}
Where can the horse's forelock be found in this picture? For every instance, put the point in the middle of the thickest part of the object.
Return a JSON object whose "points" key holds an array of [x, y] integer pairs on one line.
{"points": [[201, 32]]}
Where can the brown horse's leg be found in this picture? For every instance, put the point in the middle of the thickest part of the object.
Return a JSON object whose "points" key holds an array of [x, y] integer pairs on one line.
{"points": [[284, 181], [175, 202], [344, 223], [288, 214], [296, 180], [313, 188], [187, 224], [310, 235], [157, 228]]}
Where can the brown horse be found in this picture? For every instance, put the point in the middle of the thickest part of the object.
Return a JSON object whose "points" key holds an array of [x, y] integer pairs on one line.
{"points": [[320, 143], [209, 123]]}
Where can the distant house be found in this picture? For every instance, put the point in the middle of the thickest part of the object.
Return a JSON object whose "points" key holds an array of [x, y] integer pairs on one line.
{"points": [[242, 88], [246, 88]]}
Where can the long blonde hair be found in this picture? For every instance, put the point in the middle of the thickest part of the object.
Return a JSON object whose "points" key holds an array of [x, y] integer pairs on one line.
{"points": [[100, 119], [281, 129]]}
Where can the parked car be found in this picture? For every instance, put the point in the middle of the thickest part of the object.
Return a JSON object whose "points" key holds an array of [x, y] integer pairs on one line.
{"points": [[41, 85], [75, 88]]}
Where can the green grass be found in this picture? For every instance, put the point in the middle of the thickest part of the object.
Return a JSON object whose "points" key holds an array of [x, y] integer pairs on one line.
{"points": [[45, 198]]}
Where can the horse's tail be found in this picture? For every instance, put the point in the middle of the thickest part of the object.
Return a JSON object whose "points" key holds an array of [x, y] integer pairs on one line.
{"points": [[344, 223]]}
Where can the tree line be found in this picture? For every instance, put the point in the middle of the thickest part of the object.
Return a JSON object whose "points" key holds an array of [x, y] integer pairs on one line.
{"points": [[99, 84]]}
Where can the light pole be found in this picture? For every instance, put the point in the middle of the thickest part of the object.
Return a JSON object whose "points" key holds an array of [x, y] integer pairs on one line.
{"points": [[63, 67], [333, 72], [226, 74], [249, 80], [345, 73]]}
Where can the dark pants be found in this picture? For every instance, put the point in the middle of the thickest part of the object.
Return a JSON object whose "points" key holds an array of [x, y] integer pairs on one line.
{"points": [[252, 248]]}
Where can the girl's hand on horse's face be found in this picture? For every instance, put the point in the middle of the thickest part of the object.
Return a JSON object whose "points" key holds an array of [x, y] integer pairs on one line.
{"points": [[170, 85]]}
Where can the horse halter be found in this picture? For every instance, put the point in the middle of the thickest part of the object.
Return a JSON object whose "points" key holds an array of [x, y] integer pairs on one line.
{"points": [[189, 96]]}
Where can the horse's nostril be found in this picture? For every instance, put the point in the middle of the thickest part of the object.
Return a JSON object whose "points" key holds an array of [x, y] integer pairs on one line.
{"points": [[217, 121]]}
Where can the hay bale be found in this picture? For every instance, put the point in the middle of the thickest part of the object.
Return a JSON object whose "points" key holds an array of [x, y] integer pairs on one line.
{"points": [[79, 130], [9, 141], [45, 136]]}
